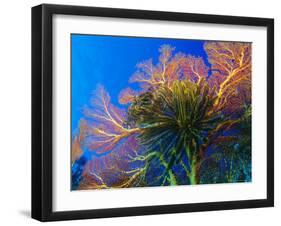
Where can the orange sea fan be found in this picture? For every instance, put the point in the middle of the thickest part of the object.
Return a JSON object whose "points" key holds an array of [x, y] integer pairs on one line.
{"points": [[126, 96], [104, 125], [231, 72], [194, 68], [115, 169]]}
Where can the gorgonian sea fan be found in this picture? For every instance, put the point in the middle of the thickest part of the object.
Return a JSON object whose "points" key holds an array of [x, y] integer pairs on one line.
{"points": [[104, 126], [231, 73]]}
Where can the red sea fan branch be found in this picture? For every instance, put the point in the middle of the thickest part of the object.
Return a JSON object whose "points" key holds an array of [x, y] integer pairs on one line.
{"points": [[104, 126], [126, 96], [232, 68]]}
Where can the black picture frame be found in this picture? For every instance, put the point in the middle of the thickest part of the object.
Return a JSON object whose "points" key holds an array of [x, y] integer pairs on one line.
{"points": [[42, 107]]}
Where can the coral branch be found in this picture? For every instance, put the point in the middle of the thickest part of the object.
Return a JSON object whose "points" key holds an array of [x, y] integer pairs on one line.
{"points": [[231, 66]]}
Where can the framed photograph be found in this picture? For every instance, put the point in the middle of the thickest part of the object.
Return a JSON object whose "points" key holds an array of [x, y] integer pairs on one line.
{"points": [[146, 112]]}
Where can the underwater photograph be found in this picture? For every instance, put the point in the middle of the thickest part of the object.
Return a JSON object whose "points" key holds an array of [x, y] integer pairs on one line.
{"points": [[149, 112]]}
